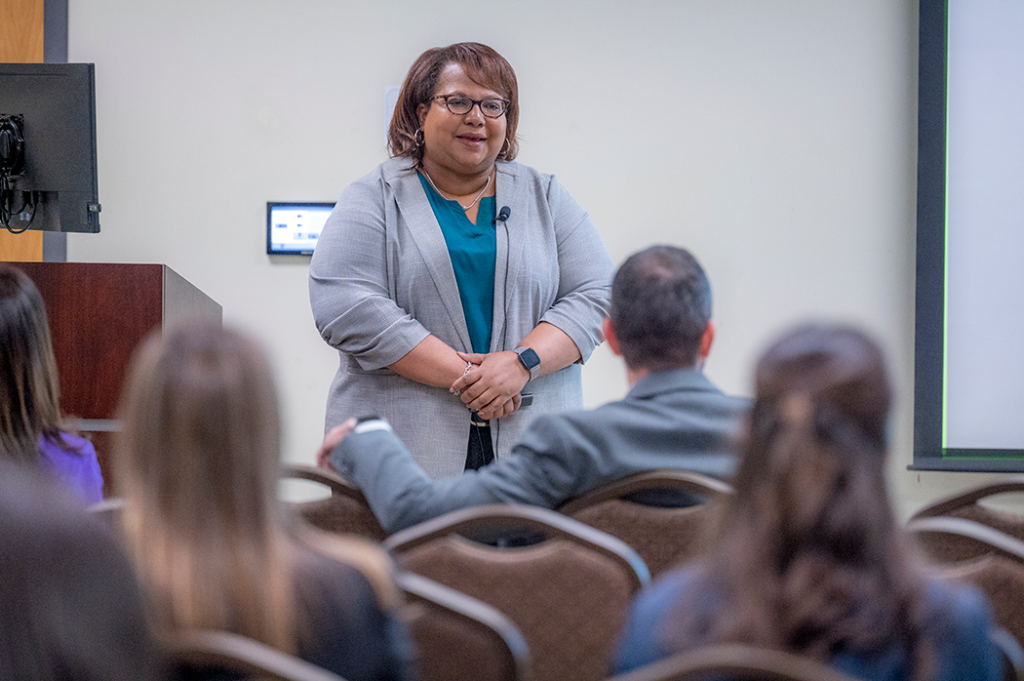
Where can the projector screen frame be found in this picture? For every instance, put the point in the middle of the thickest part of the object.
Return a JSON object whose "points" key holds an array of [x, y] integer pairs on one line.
{"points": [[930, 318]]}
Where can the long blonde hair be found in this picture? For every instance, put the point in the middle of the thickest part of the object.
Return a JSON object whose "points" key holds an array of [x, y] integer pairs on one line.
{"points": [[197, 462]]}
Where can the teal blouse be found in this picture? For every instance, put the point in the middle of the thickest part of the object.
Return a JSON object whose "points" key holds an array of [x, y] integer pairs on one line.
{"points": [[472, 249]]}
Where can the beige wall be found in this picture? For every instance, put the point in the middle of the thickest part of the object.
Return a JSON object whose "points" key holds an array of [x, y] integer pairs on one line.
{"points": [[775, 139]]}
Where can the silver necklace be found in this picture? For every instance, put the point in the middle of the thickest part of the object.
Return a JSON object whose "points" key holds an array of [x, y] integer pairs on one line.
{"points": [[486, 185]]}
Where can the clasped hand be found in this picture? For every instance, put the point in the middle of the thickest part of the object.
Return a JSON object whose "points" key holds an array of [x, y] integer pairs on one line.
{"points": [[492, 385]]}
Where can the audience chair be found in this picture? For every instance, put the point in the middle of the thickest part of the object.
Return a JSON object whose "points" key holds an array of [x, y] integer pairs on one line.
{"points": [[345, 511], [661, 513], [568, 593], [996, 565], [110, 512], [201, 653], [736, 663], [459, 638], [1011, 653], [968, 505]]}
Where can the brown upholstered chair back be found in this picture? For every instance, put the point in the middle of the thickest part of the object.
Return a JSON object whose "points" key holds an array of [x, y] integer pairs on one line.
{"points": [[995, 565], [221, 651], [459, 638], [345, 511], [968, 505], [664, 536], [736, 663], [1011, 653], [567, 594]]}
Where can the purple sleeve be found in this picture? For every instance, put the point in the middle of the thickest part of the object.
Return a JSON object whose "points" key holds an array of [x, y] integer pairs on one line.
{"points": [[77, 470]]}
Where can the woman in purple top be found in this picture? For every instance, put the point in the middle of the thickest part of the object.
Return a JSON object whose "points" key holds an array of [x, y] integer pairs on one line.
{"points": [[30, 418]]}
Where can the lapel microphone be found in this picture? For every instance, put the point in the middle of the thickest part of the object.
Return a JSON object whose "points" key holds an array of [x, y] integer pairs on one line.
{"points": [[503, 214]]}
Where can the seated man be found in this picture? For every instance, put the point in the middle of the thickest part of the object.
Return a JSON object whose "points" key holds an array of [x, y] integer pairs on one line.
{"points": [[673, 417]]}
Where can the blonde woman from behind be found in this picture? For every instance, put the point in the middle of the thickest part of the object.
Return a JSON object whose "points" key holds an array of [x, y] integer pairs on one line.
{"points": [[197, 463]]}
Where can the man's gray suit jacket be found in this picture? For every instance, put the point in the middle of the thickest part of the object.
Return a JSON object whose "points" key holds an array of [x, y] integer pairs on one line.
{"points": [[670, 419]]}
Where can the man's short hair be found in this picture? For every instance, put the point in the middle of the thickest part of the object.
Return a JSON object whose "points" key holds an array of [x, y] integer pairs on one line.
{"points": [[661, 305]]}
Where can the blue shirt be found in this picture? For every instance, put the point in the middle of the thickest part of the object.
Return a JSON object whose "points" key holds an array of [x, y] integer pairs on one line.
{"points": [[959, 627], [472, 249]]}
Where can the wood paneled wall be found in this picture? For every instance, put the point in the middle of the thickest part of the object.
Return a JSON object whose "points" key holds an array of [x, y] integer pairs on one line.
{"points": [[21, 41]]}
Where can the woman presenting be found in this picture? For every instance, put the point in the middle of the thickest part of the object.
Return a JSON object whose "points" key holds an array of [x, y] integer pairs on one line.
{"points": [[461, 289]]}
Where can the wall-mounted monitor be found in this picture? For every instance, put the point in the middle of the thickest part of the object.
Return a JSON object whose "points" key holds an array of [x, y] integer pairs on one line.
{"points": [[293, 228], [969, 373], [48, 177]]}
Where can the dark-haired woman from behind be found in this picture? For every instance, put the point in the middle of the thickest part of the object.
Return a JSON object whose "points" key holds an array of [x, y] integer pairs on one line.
{"points": [[198, 462], [31, 427], [70, 608], [808, 557]]}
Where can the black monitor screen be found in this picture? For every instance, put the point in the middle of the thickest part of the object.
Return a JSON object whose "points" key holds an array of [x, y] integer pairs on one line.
{"points": [[49, 112]]}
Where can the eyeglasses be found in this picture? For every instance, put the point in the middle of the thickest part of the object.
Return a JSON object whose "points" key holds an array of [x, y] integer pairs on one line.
{"points": [[492, 107]]}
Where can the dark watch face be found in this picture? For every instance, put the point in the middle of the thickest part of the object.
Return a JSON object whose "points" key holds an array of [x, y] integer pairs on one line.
{"points": [[529, 359]]}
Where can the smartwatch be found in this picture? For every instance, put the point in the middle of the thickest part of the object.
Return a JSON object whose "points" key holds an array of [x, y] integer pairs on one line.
{"points": [[529, 359]]}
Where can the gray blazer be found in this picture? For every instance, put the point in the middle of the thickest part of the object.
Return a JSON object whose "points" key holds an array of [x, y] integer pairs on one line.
{"points": [[381, 280], [670, 419]]}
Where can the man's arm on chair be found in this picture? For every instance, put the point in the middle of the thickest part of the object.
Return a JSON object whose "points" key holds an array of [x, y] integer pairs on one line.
{"points": [[401, 494]]}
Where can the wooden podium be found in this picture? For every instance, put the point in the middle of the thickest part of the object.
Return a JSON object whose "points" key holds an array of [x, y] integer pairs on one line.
{"points": [[98, 314]]}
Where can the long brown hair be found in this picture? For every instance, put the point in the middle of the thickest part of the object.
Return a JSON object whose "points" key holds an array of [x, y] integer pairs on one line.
{"points": [[482, 64], [29, 390], [197, 461], [808, 556]]}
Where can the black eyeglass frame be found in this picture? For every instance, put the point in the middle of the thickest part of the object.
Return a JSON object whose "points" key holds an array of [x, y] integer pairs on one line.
{"points": [[474, 102]]}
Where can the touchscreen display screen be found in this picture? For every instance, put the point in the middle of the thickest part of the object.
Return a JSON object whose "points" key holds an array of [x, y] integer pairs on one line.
{"points": [[293, 228]]}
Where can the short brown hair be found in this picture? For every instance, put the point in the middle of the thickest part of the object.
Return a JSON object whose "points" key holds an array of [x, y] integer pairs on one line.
{"points": [[661, 306], [482, 64]]}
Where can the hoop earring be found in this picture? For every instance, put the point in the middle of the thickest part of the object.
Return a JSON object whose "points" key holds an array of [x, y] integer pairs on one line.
{"points": [[505, 147], [418, 137]]}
